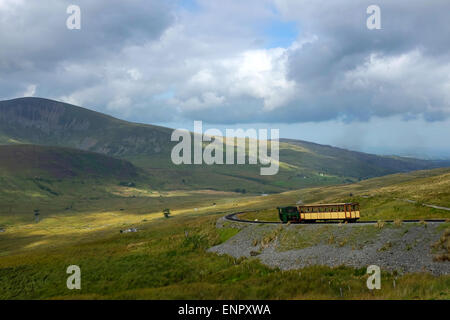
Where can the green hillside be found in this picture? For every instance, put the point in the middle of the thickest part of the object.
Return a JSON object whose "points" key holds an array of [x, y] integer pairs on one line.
{"points": [[302, 164], [66, 181], [48, 122], [157, 261], [59, 178], [397, 196], [328, 159], [61, 163]]}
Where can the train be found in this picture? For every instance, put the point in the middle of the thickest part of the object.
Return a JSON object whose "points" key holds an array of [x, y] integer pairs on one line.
{"points": [[345, 212]]}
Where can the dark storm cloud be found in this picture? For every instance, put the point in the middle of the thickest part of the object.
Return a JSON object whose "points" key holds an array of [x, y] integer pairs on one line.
{"points": [[154, 61], [35, 32], [38, 48], [339, 69], [352, 72]]}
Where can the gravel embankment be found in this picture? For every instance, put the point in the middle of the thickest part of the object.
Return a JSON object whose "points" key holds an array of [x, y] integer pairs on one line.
{"points": [[405, 248]]}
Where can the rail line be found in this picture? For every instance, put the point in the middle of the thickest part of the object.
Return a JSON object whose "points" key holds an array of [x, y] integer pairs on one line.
{"points": [[232, 217]]}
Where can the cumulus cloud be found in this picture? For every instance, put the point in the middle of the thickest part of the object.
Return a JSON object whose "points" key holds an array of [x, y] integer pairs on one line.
{"points": [[160, 61], [353, 73]]}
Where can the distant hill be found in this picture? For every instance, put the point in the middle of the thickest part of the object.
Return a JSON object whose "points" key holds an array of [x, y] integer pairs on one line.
{"points": [[58, 178], [302, 164], [363, 165], [34, 161]]}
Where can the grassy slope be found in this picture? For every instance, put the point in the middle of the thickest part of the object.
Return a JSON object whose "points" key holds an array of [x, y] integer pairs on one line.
{"points": [[61, 163], [83, 214], [69, 183], [56, 179], [380, 198], [158, 261], [46, 122]]}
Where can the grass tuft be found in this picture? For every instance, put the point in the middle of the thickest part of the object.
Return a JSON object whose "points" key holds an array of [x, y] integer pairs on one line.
{"points": [[380, 224]]}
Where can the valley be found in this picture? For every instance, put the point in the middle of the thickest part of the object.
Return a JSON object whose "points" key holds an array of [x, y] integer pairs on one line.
{"points": [[157, 261], [91, 176], [46, 122]]}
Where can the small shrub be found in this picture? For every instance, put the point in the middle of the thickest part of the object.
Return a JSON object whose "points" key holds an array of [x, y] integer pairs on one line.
{"points": [[379, 224], [443, 245], [331, 239], [386, 246], [166, 213], [271, 237], [343, 243], [442, 257], [195, 242]]}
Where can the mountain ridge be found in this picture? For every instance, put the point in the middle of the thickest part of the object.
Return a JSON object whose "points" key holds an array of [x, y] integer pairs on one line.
{"points": [[47, 122]]}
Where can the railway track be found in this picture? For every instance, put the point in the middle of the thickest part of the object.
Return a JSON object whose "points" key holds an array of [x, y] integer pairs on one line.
{"points": [[233, 217]]}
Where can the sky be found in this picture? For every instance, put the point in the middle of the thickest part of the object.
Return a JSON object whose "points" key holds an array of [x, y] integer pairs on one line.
{"points": [[310, 68]]}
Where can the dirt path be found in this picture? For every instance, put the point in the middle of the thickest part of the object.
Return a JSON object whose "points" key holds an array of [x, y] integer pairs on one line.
{"points": [[425, 205]]}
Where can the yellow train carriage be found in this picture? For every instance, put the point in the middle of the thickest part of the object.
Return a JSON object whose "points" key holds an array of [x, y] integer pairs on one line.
{"points": [[335, 211], [322, 212]]}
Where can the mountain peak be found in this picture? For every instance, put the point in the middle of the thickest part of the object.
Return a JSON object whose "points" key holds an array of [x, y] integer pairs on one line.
{"points": [[49, 122]]}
